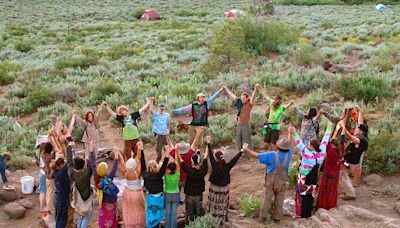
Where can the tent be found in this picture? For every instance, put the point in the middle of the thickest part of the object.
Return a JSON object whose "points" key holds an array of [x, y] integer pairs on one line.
{"points": [[150, 15]]}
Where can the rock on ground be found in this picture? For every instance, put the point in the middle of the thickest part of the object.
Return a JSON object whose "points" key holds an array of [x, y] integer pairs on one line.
{"points": [[7, 195], [26, 203], [14, 210], [373, 180], [397, 207]]}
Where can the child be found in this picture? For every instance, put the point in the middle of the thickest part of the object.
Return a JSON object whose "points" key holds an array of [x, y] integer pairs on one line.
{"points": [[5, 158]]}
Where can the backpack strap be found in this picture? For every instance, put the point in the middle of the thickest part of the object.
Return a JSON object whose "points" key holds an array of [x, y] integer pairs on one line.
{"points": [[277, 163], [285, 160]]}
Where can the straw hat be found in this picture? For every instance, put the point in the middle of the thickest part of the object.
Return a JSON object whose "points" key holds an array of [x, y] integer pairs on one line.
{"points": [[122, 107]]}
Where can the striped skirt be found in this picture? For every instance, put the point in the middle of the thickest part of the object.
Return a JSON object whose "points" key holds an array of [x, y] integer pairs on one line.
{"points": [[218, 202], [327, 192]]}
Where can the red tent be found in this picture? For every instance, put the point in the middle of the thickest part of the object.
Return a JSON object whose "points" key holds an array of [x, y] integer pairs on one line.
{"points": [[150, 15]]}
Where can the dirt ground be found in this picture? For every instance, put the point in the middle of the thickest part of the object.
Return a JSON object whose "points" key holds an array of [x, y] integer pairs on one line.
{"points": [[247, 178]]}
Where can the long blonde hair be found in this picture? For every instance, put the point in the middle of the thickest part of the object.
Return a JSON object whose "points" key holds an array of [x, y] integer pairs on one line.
{"points": [[152, 167]]}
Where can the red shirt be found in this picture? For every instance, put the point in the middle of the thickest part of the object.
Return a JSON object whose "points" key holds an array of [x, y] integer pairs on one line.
{"points": [[187, 158]]}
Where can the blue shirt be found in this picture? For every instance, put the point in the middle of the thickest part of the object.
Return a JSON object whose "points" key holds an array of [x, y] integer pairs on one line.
{"points": [[268, 158], [160, 123]]}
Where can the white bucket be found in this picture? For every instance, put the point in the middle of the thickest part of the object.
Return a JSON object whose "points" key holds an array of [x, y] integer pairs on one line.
{"points": [[27, 184]]}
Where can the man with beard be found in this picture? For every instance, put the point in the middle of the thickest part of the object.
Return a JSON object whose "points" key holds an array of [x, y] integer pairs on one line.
{"points": [[276, 110]]}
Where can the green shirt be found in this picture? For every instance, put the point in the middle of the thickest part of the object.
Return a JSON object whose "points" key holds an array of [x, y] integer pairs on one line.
{"points": [[171, 182], [275, 115]]}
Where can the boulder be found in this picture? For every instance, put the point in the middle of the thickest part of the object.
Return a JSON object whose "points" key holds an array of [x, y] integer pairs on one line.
{"points": [[380, 204], [14, 210], [288, 207], [26, 203], [8, 195], [373, 180]]}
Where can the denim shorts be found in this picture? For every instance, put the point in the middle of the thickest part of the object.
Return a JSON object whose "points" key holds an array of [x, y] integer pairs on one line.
{"points": [[42, 183]]}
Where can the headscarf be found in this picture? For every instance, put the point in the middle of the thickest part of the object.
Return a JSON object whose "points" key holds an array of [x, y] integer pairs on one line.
{"points": [[130, 165], [101, 171]]}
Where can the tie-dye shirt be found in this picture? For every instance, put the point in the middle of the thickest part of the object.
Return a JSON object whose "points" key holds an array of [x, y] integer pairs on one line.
{"points": [[309, 158]]}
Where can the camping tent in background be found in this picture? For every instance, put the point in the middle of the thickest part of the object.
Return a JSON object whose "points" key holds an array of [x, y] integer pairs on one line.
{"points": [[234, 13], [150, 15]]}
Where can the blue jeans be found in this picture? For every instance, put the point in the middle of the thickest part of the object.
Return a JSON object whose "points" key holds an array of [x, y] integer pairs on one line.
{"points": [[61, 204], [82, 222], [3, 170], [171, 208]]}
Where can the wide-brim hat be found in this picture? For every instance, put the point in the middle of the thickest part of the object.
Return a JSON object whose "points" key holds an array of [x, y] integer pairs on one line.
{"points": [[283, 143], [122, 107], [183, 147]]}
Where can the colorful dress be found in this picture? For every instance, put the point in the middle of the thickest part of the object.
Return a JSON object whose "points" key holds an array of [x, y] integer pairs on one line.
{"points": [[307, 178], [133, 205]]}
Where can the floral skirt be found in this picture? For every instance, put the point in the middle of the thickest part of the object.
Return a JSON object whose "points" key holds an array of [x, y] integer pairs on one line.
{"points": [[107, 215], [304, 198], [154, 209], [218, 202]]}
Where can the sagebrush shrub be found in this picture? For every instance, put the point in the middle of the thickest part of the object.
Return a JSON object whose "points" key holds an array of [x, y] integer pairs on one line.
{"points": [[23, 46], [367, 88], [104, 88], [40, 96], [191, 12], [7, 72], [250, 205], [206, 221], [82, 62], [138, 12]]}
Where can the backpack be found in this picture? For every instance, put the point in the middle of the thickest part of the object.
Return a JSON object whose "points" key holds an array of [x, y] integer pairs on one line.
{"points": [[108, 186], [279, 176], [312, 176], [82, 207]]}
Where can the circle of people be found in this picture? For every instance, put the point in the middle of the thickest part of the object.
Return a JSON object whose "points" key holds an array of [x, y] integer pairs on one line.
{"points": [[151, 195]]}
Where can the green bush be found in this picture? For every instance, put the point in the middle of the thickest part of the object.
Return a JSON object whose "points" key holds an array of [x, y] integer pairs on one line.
{"points": [[222, 129], [261, 37], [23, 46], [383, 152], [191, 12], [308, 55], [138, 12], [396, 109], [104, 88], [367, 88], [82, 62], [293, 173], [206, 221], [16, 30], [40, 96], [57, 109], [117, 51], [250, 205], [7, 72], [387, 58]]}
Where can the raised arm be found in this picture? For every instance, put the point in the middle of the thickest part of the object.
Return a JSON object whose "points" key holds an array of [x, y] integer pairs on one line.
{"points": [[253, 96], [325, 139], [234, 160], [331, 118], [262, 91], [178, 160], [142, 160], [230, 93], [213, 98], [109, 110], [199, 130], [138, 159], [121, 164], [164, 164], [146, 106], [299, 113], [97, 115], [354, 139], [288, 105], [298, 141], [78, 119], [360, 115], [248, 150], [115, 164], [70, 162], [206, 153], [183, 110], [291, 135], [211, 156], [170, 143]]}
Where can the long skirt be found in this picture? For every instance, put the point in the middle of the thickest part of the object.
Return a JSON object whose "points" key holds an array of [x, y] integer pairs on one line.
{"points": [[304, 198], [327, 192], [133, 211], [107, 215], [218, 202], [154, 209]]}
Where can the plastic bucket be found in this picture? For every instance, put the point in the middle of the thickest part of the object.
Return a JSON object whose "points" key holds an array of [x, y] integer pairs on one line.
{"points": [[27, 184]]}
